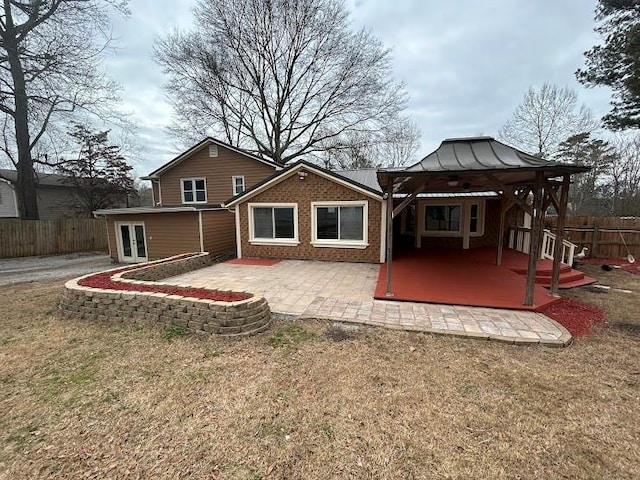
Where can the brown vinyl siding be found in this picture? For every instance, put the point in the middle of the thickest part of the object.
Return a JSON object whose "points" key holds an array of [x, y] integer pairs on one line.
{"points": [[166, 233], [216, 170], [219, 231], [313, 188]]}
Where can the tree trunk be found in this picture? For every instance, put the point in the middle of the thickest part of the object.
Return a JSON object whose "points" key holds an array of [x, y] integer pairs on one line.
{"points": [[26, 182]]}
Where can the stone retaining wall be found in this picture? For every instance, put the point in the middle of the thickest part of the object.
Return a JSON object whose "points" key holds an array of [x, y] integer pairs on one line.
{"points": [[244, 317], [154, 272]]}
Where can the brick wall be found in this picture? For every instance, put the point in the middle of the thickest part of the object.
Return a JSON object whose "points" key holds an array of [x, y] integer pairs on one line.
{"points": [[313, 188]]}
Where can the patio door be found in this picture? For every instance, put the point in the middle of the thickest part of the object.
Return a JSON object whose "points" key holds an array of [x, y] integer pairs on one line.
{"points": [[132, 245]]}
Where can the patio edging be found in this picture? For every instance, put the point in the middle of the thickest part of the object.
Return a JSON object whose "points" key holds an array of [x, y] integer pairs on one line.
{"points": [[200, 316], [563, 341]]}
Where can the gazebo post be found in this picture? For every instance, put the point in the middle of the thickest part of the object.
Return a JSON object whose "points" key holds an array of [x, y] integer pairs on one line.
{"points": [[560, 232], [534, 246], [389, 256], [504, 206]]}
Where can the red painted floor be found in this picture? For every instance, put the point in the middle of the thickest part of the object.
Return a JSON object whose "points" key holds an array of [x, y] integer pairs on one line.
{"points": [[264, 262], [462, 277]]}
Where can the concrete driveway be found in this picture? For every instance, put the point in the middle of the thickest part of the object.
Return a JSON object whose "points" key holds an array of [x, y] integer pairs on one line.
{"points": [[33, 269]]}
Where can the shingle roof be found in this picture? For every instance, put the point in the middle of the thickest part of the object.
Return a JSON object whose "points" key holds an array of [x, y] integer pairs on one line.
{"points": [[43, 179], [364, 176]]}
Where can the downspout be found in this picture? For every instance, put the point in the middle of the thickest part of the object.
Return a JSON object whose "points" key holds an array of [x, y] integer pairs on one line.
{"points": [[236, 212], [200, 231], [389, 259]]}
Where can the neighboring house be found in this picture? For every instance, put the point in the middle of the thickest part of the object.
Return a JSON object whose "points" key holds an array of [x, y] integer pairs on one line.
{"points": [[188, 215], [57, 197], [8, 200]]}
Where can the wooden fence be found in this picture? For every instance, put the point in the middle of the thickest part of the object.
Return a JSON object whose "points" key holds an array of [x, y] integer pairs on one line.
{"points": [[603, 235], [25, 238]]}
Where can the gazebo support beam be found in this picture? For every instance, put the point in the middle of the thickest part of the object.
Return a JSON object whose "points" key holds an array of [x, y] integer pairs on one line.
{"points": [[408, 200], [552, 190], [389, 256], [505, 206], [560, 232], [538, 203], [508, 192]]}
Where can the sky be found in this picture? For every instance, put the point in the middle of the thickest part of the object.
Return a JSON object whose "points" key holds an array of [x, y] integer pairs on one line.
{"points": [[466, 64]]}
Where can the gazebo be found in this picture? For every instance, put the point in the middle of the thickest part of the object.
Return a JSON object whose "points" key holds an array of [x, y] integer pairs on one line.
{"points": [[483, 164]]}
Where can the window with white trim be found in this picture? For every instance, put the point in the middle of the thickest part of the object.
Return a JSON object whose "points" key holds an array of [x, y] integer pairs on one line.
{"points": [[442, 218], [275, 223], [194, 190], [474, 218], [238, 184], [340, 224]]}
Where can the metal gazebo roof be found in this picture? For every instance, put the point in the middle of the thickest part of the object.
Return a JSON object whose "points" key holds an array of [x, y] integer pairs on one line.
{"points": [[465, 163]]}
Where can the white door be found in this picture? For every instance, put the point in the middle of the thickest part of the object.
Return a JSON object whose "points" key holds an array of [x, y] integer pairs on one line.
{"points": [[132, 243]]}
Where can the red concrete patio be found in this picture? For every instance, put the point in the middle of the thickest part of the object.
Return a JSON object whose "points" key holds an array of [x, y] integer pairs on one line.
{"points": [[470, 277]]}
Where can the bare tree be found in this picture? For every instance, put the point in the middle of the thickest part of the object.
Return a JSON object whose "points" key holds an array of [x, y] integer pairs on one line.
{"points": [[545, 118], [394, 147], [281, 78], [50, 53], [625, 177]]}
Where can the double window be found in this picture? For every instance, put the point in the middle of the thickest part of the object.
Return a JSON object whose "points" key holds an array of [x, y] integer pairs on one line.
{"points": [[194, 190], [333, 224], [454, 219], [273, 223], [442, 218], [338, 224]]}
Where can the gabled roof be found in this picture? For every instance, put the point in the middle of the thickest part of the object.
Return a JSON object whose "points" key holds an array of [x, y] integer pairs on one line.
{"points": [[42, 179], [291, 170], [207, 141]]}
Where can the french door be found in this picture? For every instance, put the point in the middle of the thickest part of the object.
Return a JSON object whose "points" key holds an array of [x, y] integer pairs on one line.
{"points": [[131, 242]]}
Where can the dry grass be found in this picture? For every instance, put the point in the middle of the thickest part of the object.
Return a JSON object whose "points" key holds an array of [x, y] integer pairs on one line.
{"points": [[101, 401]]}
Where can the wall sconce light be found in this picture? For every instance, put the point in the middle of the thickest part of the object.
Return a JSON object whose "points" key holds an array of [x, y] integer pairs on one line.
{"points": [[302, 174]]}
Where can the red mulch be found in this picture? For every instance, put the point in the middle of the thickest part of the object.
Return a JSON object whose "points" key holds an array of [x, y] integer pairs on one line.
{"points": [[575, 316], [103, 280], [260, 262]]}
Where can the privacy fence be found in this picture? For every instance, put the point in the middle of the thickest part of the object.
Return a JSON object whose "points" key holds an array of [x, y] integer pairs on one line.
{"points": [[25, 238], [603, 236]]}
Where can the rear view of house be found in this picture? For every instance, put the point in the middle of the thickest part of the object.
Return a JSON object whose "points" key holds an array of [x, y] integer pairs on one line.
{"points": [[187, 213]]}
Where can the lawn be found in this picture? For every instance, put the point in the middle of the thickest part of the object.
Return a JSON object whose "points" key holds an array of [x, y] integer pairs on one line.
{"points": [[306, 400]]}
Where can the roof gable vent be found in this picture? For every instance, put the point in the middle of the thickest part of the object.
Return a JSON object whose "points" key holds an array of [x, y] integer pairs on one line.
{"points": [[213, 150]]}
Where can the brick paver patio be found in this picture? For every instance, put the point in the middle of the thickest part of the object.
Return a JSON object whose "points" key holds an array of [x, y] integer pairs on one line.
{"points": [[344, 292]]}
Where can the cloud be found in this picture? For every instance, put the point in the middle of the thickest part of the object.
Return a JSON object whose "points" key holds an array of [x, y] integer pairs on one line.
{"points": [[466, 64]]}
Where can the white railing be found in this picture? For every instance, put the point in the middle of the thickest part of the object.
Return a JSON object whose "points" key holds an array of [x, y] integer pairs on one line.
{"points": [[520, 240]]}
